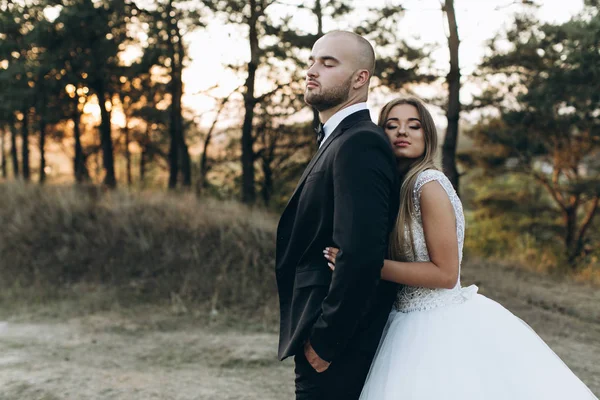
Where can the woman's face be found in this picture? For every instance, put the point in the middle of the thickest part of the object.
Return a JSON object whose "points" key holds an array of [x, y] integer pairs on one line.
{"points": [[405, 131]]}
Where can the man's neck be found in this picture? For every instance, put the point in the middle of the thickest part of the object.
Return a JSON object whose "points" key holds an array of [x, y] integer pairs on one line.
{"points": [[325, 115]]}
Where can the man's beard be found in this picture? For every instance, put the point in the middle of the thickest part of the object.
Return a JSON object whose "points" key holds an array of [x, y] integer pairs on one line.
{"points": [[329, 98]]}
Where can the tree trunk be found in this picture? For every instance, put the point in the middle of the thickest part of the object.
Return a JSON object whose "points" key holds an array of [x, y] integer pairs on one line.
{"points": [[570, 217], [248, 190], [578, 239], [453, 79], [143, 154], [179, 158], [142, 166], [42, 149], [25, 144], [3, 154], [79, 161], [175, 110], [127, 153], [97, 160], [41, 109], [203, 169], [106, 139], [267, 189], [186, 162], [179, 153], [318, 10], [13, 149], [173, 160], [201, 182], [126, 137]]}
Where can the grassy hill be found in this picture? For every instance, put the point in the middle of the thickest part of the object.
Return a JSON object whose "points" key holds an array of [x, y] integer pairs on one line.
{"points": [[142, 246]]}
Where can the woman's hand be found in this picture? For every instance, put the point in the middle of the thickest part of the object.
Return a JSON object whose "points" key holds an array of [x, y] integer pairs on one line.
{"points": [[330, 254]]}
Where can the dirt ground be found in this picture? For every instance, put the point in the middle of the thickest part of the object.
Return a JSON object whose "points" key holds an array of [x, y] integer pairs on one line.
{"points": [[152, 353]]}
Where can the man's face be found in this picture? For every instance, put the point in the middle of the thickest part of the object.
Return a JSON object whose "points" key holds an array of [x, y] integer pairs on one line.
{"points": [[330, 73]]}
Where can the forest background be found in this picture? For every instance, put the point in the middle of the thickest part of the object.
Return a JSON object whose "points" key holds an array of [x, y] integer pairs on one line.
{"points": [[147, 148]]}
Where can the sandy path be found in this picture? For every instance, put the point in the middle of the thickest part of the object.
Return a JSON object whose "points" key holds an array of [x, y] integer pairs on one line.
{"points": [[151, 354], [109, 357]]}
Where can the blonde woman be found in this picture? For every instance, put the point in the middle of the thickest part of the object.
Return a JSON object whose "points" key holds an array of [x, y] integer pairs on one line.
{"points": [[443, 341]]}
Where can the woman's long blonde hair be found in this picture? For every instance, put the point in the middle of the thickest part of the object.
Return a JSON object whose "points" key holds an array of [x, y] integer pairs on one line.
{"points": [[426, 161]]}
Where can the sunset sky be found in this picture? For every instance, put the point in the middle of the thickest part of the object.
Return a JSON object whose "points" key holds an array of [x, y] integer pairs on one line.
{"points": [[478, 21]]}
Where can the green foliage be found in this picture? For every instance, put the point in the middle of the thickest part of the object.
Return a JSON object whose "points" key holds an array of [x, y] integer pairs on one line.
{"points": [[513, 219], [19, 53], [549, 123]]}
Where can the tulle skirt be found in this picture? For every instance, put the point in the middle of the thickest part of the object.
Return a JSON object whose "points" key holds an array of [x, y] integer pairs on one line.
{"points": [[474, 350]]}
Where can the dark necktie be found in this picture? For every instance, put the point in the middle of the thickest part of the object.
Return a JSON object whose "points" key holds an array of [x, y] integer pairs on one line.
{"points": [[320, 135]]}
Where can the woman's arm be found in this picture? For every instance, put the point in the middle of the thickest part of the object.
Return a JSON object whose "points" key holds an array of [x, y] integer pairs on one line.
{"points": [[439, 226]]}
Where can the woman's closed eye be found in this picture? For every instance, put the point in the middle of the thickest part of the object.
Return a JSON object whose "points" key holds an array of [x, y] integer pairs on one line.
{"points": [[415, 127]]}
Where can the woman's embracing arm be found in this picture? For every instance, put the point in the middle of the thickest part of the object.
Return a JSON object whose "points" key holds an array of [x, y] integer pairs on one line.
{"points": [[439, 226]]}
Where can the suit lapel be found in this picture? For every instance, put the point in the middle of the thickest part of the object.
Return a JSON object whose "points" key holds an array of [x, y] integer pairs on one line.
{"points": [[346, 123]]}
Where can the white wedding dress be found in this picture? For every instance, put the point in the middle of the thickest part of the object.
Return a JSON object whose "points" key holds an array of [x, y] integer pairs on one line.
{"points": [[455, 344]]}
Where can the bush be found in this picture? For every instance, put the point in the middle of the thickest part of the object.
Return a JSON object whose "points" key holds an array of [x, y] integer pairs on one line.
{"points": [[510, 218], [152, 246]]}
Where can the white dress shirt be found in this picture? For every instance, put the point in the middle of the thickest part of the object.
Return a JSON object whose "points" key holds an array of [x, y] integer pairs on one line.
{"points": [[338, 117]]}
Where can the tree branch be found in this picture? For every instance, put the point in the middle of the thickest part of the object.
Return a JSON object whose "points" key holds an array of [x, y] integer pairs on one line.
{"points": [[283, 3], [557, 194], [265, 95], [588, 219], [540, 178]]}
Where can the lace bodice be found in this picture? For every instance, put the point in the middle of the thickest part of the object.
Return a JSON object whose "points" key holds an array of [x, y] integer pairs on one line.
{"points": [[419, 298]]}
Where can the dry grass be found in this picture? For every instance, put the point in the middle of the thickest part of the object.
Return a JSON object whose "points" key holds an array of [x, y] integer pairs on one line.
{"points": [[142, 246], [105, 259], [62, 241]]}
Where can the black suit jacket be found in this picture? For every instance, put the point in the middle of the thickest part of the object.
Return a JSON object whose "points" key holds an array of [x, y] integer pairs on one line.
{"points": [[347, 198]]}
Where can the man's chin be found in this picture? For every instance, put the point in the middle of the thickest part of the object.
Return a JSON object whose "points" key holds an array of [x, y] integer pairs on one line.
{"points": [[308, 100]]}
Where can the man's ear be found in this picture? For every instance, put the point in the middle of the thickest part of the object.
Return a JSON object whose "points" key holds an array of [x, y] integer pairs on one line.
{"points": [[361, 78]]}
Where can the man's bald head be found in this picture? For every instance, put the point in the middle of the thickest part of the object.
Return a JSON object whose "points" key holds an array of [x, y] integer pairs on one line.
{"points": [[341, 66], [364, 53]]}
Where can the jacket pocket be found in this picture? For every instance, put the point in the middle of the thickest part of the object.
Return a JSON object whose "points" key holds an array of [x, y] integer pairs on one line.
{"points": [[312, 277]]}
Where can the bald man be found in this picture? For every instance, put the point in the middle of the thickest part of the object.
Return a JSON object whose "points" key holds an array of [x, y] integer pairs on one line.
{"points": [[331, 322]]}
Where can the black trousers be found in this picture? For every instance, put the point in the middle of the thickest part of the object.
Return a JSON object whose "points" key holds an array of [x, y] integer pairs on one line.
{"points": [[343, 380]]}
